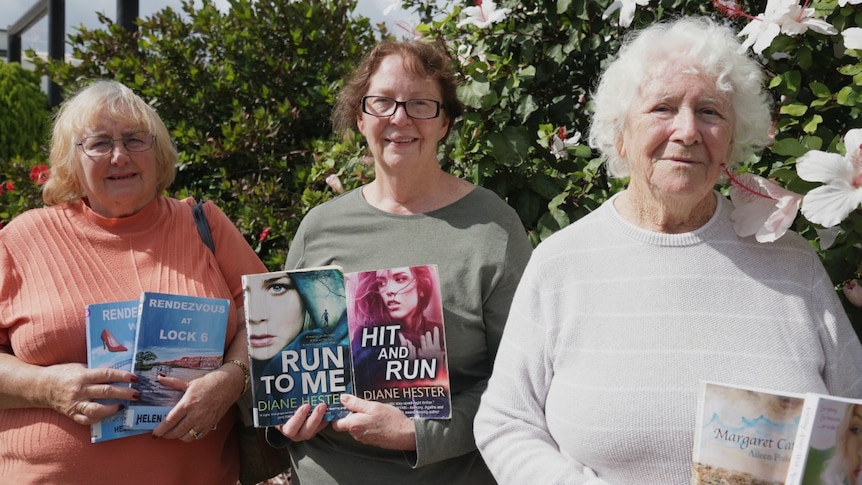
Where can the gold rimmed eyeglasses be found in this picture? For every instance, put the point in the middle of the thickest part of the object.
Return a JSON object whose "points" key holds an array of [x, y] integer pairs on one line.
{"points": [[101, 145]]}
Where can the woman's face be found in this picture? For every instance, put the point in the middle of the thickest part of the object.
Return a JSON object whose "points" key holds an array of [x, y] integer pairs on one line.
{"points": [[400, 291], [678, 133], [853, 446], [275, 317], [398, 142], [120, 183]]}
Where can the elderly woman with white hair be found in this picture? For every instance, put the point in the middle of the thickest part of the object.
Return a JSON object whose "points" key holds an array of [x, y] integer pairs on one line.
{"points": [[619, 316]]}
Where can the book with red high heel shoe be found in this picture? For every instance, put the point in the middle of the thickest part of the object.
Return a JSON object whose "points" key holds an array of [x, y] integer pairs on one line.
{"points": [[178, 336], [110, 338]]}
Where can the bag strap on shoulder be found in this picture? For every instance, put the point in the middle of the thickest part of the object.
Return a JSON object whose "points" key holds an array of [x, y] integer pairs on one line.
{"points": [[203, 225]]}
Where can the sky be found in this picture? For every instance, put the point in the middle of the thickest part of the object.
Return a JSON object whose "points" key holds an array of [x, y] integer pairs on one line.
{"points": [[80, 12]]}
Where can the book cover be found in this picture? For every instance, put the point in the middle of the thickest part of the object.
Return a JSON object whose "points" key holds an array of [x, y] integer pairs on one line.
{"points": [[744, 435], [110, 343], [828, 442], [397, 339], [179, 336], [297, 337]]}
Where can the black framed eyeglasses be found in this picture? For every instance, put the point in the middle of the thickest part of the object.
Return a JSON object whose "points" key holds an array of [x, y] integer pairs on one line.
{"points": [[101, 145], [382, 106]]}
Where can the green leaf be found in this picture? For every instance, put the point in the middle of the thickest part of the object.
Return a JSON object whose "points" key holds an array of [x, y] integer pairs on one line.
{"points": [[509, 146], [820, 90], [789, 147], [794, 109], [812, 124], [563, 6], [792, 80], [474, 92], [847, 96]]}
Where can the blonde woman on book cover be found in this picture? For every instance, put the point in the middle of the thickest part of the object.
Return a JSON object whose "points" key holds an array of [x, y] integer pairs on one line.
{"points": [[620, 315], [108, 234], [402, 98], [845, 466]]}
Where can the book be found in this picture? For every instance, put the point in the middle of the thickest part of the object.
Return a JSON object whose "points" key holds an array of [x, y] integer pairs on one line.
{"points": [[828, 442], [110, 342], [317, 333], [297, 339], [744, 434], [177, 335], [398, 341]]}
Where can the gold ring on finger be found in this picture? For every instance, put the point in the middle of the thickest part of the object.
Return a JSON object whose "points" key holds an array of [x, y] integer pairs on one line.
{"points": [[195, 434]]}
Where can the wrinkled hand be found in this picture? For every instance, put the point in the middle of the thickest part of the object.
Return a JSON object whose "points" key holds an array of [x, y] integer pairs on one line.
{"points": [[430, 346], [376, 424], [72, 390], [205, 401], [305, 423]]}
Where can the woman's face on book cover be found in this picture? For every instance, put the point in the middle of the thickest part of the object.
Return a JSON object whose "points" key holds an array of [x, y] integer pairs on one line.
{"points": [[853, 446], [275, 317], [400, 291]]}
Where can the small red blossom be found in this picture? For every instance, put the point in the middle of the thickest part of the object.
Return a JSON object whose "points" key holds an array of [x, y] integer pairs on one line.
{"points": [[263, 234], [40, 174], [10, 186]]}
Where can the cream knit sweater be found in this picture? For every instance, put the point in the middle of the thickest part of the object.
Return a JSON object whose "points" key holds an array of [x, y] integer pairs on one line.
{"points": [[613, 327]]}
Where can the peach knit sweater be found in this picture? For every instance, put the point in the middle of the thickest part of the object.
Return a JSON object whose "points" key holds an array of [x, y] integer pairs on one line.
{"points": [[54, 261]]}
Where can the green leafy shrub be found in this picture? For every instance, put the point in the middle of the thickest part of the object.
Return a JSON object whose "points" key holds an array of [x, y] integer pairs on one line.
{"points": [[246, 96], [528, 77], [23, 112]]}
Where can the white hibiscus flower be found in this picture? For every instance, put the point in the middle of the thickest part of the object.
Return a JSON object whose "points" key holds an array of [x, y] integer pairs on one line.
{"points": [[483, 14], [831, 203], [762, 208], [627, 10]]}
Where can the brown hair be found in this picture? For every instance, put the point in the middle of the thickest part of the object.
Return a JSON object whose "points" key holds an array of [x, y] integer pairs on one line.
{"points": [[420, 58]]}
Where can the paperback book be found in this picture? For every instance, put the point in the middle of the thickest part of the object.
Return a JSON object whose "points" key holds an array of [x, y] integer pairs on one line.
{"points": [[297, 337], [317, 333], [110, 343], [179, 336], [397, 340], [744, 435], [828, 442]]}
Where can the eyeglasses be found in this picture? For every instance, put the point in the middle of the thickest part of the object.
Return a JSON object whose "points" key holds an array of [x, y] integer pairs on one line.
{"points": [[420, 109], [101, 145]]}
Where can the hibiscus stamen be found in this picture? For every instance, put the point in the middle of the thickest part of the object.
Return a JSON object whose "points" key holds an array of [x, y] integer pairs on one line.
{"points": [[802, 12], [741, 185], [731, 9]]}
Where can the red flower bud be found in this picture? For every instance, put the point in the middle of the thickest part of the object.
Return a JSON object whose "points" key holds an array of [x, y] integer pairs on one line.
{"points": [[263, 234]]}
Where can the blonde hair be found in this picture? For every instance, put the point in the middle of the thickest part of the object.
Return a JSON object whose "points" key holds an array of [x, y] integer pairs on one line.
{"points": [[101, 99], [835, 469]]}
